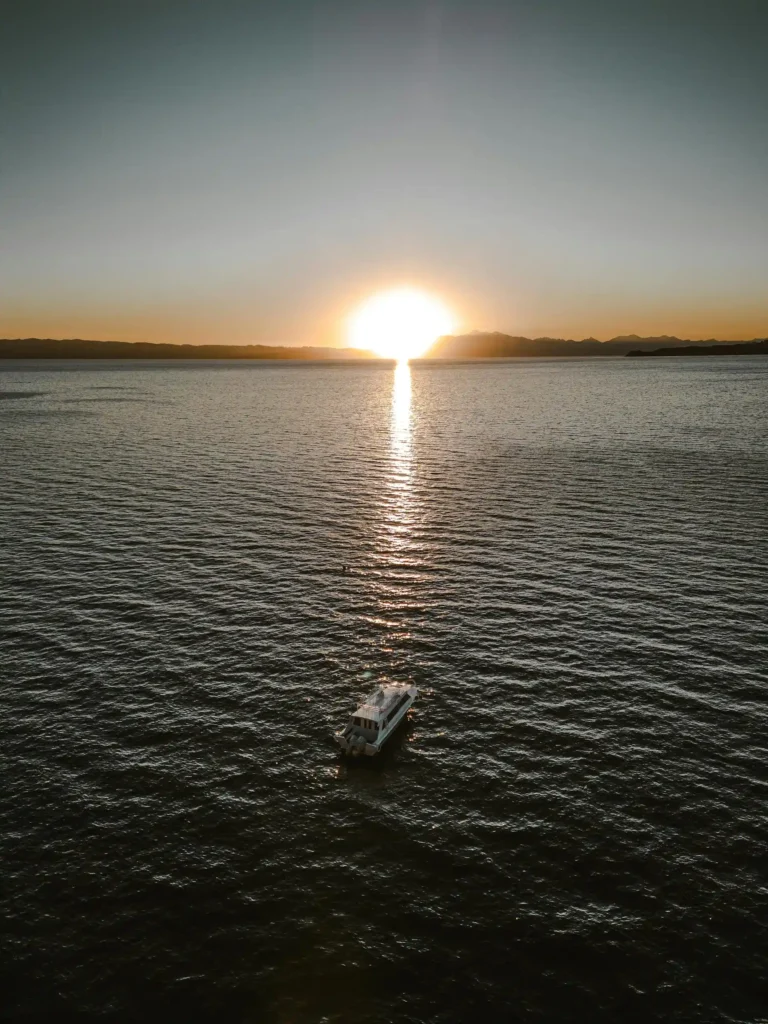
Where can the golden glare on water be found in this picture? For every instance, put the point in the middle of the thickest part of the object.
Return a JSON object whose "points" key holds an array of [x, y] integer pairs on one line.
{"points": [[398, 517], [401, 419], [400, 324]]}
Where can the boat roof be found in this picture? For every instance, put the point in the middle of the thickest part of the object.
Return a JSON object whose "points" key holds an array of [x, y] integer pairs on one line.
{"points": [[377, 704]]}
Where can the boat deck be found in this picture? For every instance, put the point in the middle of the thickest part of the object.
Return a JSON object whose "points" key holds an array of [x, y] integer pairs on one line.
{"points": [[378, 703]]}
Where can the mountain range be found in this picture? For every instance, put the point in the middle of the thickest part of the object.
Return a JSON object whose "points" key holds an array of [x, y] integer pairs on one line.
{"points": [[482, 345], [477, 345], [79, 348]]}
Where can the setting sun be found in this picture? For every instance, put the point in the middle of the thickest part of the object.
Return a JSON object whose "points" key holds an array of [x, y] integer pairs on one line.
{"points": [[399, 324]]}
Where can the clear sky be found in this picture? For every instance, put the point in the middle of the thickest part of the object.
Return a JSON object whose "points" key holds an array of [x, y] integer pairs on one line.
{"points": [[246, 172]]}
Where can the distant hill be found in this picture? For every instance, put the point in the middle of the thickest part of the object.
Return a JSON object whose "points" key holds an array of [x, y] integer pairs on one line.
{"points": [[77, 348], [734, 348], [479, 345]]}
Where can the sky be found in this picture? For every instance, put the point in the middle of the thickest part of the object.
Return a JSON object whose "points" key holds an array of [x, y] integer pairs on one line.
{"points": [[231, 172]]}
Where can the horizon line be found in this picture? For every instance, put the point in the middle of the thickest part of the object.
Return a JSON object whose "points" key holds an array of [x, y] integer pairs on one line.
{"points": [[348, 348]]}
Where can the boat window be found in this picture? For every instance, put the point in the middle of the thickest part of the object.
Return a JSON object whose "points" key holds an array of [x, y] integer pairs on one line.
{"points": [[399, 704]]}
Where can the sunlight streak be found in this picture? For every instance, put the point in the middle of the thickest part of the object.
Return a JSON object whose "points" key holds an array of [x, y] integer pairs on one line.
{"points": [[399, 517]]}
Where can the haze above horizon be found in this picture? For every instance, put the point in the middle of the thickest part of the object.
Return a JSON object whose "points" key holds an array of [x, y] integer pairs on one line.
{"points": [[240, 173]]}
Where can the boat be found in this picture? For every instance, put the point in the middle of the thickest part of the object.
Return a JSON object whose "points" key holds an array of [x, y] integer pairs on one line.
{"points": [[376, 719]]}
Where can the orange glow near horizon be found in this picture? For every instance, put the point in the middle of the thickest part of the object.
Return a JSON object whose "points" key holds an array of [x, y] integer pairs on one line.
{"points": [[399, 324]]}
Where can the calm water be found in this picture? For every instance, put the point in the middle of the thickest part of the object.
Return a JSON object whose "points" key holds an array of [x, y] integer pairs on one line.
{"points": [[569, 558]]}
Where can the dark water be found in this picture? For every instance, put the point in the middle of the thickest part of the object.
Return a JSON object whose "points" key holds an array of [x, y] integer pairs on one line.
{"points": [[569, 558]]}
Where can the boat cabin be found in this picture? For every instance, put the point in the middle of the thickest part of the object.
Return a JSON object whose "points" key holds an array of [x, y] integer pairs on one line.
{"points": [[375, 719]]}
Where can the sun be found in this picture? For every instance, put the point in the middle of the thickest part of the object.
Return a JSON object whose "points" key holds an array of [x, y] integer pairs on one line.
{"points": [[399, 324]]}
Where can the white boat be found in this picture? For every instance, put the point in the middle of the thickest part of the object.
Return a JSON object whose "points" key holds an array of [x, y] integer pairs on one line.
{"points": [[376, 719]]}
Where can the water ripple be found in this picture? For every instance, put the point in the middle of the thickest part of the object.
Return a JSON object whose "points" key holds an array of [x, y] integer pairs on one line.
{"points": [[205, 568]]}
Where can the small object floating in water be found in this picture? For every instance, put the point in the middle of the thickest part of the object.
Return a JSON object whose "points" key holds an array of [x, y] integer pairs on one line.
{"points": [[376, 719]]}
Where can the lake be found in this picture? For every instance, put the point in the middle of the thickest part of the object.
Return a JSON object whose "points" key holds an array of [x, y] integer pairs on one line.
{"points": [[569, 558]]}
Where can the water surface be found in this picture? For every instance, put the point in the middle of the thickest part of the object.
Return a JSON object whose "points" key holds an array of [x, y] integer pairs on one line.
{"points": [[568, 557]]}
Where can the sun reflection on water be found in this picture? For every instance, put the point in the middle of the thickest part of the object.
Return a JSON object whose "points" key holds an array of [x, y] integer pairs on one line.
{"points": [[401, 415], [399, 514], [396, 558]]}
